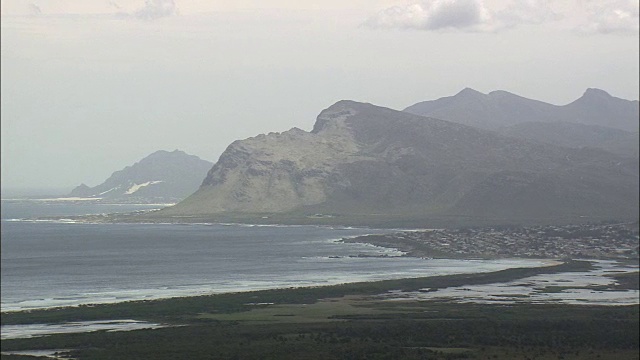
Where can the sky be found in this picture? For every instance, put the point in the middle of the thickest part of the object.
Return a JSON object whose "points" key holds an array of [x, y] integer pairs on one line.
{"points": [[91, 86]]}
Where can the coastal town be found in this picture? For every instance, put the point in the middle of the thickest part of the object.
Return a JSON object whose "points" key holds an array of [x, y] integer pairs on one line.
{"points": [[583, 241]]}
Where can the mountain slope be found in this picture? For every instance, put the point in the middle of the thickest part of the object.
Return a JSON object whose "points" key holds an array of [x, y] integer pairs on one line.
{"points": [[364, 160], [500, 108], [573, 135], [162, 176]]}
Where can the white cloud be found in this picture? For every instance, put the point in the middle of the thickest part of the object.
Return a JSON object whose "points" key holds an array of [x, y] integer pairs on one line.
{"points": [[526, 12], [466, 15], [34, 9], [433, 15], [584, 16], [125, 9], [114, 4], [611, 16]]}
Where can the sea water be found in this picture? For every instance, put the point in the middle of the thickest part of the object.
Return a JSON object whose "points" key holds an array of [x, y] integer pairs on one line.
{"points": [[57, 263]]}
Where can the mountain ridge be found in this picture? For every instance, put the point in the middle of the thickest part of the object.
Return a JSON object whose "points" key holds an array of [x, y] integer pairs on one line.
{"points": [[361, 159], [501, 108]]}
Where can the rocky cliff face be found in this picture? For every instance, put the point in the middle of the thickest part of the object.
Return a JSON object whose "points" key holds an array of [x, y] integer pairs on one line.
{"points": [[160, 177], [280, 171], [362, 159]]}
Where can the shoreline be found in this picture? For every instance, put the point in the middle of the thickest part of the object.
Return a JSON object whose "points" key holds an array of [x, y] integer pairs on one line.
{"points": [[208, 290], [155, 309], [393, 242], [605, 242], [314, 322], [151, 295], [401, 222]]}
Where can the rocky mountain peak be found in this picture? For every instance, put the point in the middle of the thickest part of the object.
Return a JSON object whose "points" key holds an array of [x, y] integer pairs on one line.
{"points": [[497, 94], [335, 115], [469, 93], [165, 153], [161, 176], [593, 93]]}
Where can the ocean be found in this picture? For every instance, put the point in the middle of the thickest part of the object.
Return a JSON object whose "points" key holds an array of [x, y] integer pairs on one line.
{"points": [[65, 263]]}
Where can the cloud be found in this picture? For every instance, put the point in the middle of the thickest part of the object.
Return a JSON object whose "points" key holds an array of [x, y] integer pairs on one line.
{"points": [[151, 10], [114, 4], [432, 15], [526, 12], [584, 16], [465, 15], [611, 17], [34, 9]]}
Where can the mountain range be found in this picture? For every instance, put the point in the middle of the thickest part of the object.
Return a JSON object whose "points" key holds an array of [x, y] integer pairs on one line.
{"points": [[161, 177], [367, 162], [596, 119], [499, 109]]}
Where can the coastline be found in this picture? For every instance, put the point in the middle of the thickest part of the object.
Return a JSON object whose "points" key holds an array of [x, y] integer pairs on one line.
{"points": [[396, 245], [409, 248], [205, 288], [236, 301], [315, 322]]}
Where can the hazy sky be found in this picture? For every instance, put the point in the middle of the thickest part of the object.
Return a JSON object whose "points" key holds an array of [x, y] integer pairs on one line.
{"points": [[91, 86]]}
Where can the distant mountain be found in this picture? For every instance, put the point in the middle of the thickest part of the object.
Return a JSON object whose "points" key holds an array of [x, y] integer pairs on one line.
{"points": [[160, 177], [597, 107], [500, 109], [371, 163]]}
